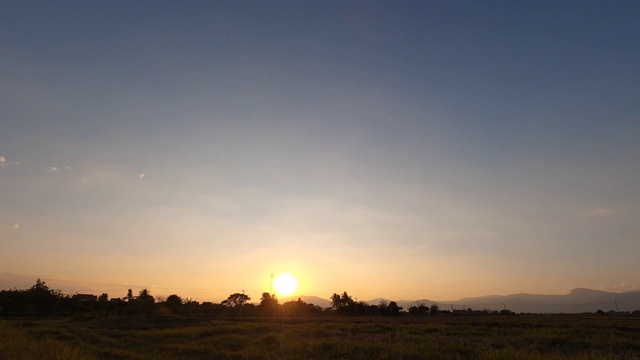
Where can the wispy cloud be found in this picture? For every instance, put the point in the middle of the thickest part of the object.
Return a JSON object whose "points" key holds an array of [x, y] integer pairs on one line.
{"points": [[624, 286], [4, 162], [16, 226], [98, 177], [600, 212], [56, 169]]}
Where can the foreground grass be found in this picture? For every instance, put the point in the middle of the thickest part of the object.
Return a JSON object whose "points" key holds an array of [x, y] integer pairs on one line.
{"points": [[536, 337]]}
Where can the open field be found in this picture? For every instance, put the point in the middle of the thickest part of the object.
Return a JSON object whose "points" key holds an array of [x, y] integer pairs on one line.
{"points": [[168, 337]]}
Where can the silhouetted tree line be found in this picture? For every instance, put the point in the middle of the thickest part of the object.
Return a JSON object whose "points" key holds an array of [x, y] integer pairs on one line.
{"points": [[40, 300], [37, 300], [343, 304]]}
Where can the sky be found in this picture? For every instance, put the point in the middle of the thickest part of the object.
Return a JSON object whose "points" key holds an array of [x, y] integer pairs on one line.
{"points": [[398, 149]]}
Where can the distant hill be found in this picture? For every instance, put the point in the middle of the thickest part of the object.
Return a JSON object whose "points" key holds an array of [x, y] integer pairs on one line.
{"points": [[376, 301], [577, 301], [315, 300]]}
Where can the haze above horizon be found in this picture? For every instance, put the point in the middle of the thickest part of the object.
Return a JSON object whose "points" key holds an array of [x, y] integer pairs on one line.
{"points": [[392, 149]]}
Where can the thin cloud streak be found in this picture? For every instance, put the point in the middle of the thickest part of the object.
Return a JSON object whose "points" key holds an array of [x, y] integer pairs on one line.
{"points": [[601, 212], [4, 162], [622, 287]]}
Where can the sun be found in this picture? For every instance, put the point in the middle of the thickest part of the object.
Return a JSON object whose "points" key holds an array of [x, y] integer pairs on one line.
{"points": [[285, 284]]}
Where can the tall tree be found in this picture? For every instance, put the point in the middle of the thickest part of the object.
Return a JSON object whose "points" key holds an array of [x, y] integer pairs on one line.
{"points": [[40, 298], [434, 309], [173, 300], [394, 309], [174, 303], [40, 285], [235, 300], [346, 299], [144, 302], [268, 303], [145, 295], [336, 302]]}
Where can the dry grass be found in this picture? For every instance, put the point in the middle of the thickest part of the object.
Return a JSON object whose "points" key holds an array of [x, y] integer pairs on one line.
{"points": [[162, 337]]}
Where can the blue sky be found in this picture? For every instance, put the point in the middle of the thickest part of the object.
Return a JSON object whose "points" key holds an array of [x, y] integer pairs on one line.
{"points": [[434, 149]]}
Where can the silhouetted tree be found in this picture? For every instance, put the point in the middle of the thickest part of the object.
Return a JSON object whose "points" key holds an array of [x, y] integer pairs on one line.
{"points": [[268, 304], [393, 309], [36, 300], [41, 299], [419, 309], [346, 299], [174, 303], [361, 308], [208, 307], [248, 310], [235, 300], [382, 307], [103, 303], [144, 302], [434, 309], [145, 295], [342, 303], [299, 307], [190, 306], [40, 285], [173, 300], [506, 312], [373, 310], [314, 309], [336, 302]]}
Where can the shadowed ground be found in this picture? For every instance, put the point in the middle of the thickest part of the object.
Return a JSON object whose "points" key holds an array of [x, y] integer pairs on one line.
{"points": [[165, 337]]}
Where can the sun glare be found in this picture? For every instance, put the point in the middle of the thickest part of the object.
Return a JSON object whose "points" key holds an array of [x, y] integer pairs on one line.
{"points": [[285, 284]]}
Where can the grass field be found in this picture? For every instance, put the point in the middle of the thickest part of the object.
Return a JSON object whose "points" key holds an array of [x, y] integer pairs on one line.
{"points": [[166, 337]]}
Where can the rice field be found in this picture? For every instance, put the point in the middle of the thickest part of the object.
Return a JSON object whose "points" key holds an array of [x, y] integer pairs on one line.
{"points": [[173, 337]]}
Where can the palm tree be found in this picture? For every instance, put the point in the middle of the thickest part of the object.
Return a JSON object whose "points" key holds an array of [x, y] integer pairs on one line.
{"points": [[346, 299], [145, 295], [336, 301]]}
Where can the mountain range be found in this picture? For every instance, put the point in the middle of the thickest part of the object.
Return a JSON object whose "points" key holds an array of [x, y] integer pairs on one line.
{"points": [[577, 301]]}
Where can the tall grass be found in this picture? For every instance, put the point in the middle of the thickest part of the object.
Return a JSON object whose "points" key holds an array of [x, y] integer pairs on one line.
{"points": [[18, 343], [197, 338]]}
